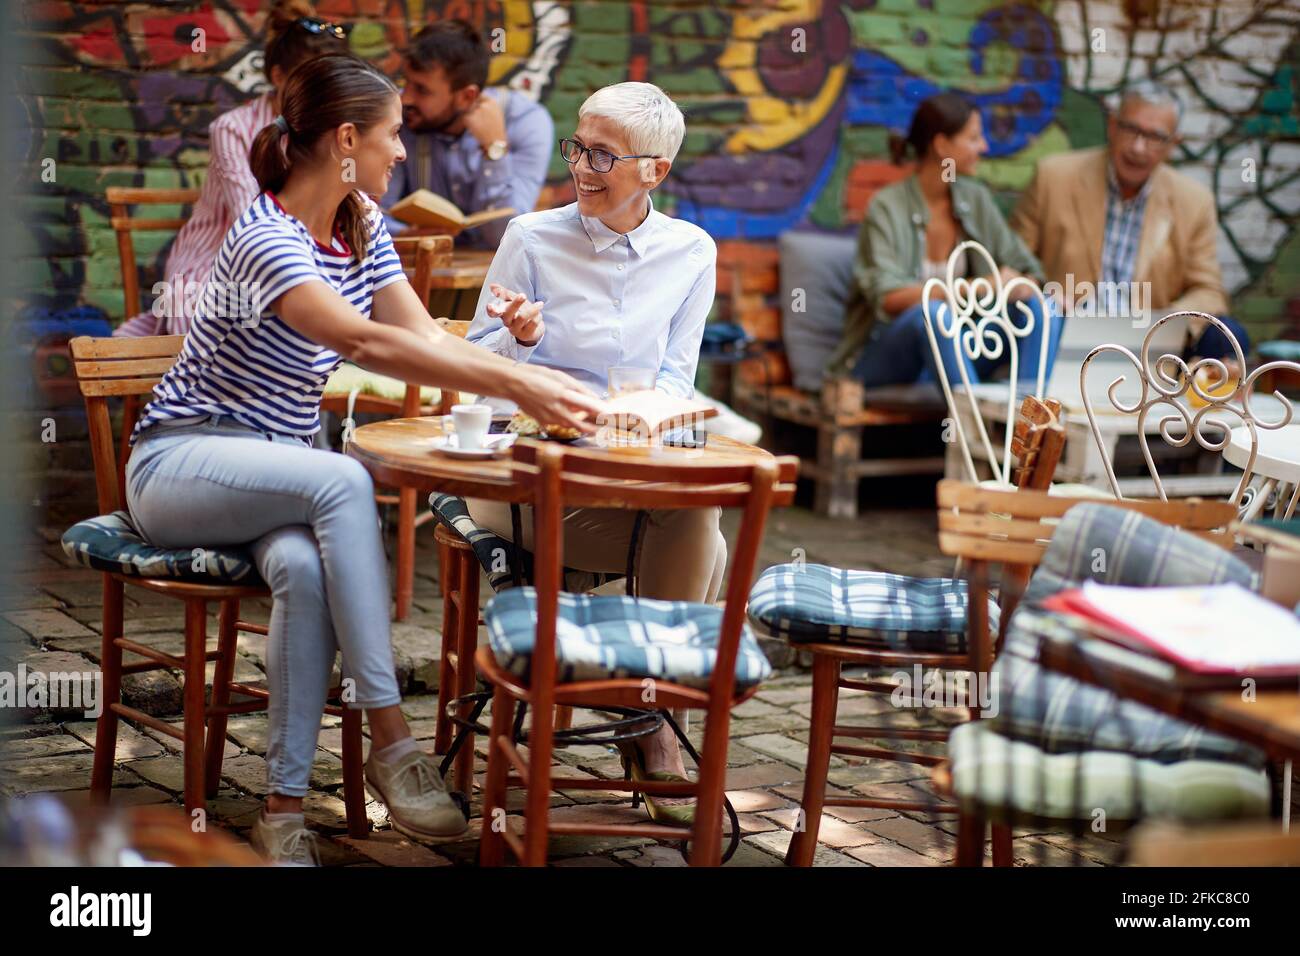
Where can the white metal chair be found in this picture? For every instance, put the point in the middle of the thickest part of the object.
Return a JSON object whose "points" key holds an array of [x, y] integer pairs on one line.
{"points": [[1202, 401], [976, 311], [1220, 397]]}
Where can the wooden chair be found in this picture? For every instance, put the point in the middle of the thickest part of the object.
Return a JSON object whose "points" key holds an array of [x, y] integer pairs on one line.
{"points": [[1038, 440], [120, 201], [1203, 402], [130, 368], [986, 527], [560, 476]]}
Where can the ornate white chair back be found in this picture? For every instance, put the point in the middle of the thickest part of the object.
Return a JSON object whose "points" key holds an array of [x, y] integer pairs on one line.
{"points": [[1221, 403], [978, 323]]}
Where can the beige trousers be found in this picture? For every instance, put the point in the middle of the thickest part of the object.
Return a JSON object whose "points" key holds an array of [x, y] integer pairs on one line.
{"points": [[681, 553]]}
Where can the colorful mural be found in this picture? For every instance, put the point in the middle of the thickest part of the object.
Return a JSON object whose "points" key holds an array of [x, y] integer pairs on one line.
{"points": [[789, 105]]}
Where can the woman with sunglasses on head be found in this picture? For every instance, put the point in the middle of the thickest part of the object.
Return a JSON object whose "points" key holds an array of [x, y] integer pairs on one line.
{"points": [[222, 454], [293, 36], [604, 282]]}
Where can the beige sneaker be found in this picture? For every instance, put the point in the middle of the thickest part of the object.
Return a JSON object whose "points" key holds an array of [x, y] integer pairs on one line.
{"points": [[284, 843], [416, 797]]}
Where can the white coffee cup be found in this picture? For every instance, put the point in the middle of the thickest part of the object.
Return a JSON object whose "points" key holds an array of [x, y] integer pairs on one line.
{"points": [[472, 423]]}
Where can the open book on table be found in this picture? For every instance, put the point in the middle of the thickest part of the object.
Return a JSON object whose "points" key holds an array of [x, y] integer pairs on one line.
{"points": [[1221, 629], [427, 210], [649, 413]]}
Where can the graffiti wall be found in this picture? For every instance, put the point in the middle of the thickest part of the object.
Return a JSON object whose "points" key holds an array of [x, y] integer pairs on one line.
{"points": [[789, 104]]}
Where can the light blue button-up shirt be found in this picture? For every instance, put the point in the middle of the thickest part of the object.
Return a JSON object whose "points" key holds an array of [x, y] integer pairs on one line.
{"points": [[608, 299]]}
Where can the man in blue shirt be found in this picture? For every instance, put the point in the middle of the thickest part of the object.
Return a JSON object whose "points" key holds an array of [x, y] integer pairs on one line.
{"points": [[480, 148]]}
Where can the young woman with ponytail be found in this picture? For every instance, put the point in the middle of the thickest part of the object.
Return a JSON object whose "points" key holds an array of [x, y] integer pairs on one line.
{"points": [[910, 230], [293, 35], [223, 452]]}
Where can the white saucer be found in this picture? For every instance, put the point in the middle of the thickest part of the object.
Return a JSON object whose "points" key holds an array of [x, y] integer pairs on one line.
{"points": [[492, 446]]}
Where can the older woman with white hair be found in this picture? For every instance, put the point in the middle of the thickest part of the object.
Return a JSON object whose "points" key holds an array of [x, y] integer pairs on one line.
{"points": [[605, 282]]}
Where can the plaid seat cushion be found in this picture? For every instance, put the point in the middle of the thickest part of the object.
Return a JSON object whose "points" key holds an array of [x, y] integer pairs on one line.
{"points": [[1059, 714], [1062, 715], [112, 543], [993, 771], [496, 554], [1113, 545], [813, 603], [620, 637]]}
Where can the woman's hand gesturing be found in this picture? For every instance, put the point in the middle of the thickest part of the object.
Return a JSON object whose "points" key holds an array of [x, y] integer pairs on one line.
{"points": [[522, 318]]}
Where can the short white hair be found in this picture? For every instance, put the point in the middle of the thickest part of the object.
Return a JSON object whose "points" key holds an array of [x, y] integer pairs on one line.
{"points": [[653, 122]]}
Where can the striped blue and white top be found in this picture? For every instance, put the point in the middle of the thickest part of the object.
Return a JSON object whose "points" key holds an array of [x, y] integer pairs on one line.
{"points": [[239, 359]]}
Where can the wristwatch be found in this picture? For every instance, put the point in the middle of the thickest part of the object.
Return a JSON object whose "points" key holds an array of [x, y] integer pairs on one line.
{"points": [[496, 149]]}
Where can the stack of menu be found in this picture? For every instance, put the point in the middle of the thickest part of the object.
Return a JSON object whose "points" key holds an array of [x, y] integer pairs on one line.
{"points": [[1216, 631]]}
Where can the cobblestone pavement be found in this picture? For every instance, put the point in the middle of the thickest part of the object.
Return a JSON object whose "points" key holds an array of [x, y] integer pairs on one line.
{"points": [[52, 621]]}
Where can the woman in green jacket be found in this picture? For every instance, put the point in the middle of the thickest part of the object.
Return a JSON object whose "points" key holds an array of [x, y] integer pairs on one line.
{"points": [[911, 229]]}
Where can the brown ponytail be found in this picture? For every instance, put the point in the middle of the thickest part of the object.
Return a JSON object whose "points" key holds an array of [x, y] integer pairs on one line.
{"points": [[942, 114], [320, 96]]}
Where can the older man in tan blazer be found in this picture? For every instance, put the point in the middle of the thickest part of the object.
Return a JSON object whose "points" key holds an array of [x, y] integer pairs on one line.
{"points": [[1119, 232]]}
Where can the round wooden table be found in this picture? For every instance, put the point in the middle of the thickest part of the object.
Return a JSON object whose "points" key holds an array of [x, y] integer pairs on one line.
{"points": [[399, 453]]}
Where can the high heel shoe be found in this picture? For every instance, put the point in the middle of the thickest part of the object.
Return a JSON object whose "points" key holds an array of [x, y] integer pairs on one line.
{"points": [[682, 815]]}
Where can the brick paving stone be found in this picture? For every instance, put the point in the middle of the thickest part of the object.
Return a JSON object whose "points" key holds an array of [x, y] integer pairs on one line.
{"points": [[761, 775], [247, 772], [861, 705], [326, 771], [331, 739], [120, 797], [756, 708], [46, 623], [754, 801], [166, 771], [769, 724], [846, 814], [233, 808], [783, 748], [776, 842], [391, 848], [131, 744], [172, 745], [49, 745], [248, 731], [830, 831], [928, 840], [61, 772], [747, 855], [416, 646], [891, 854], [655, 855], [754, 823]]}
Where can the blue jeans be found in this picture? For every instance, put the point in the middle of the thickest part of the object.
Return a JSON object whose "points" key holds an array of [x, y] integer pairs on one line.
{"points": [[898, 353], [308, 516]]}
